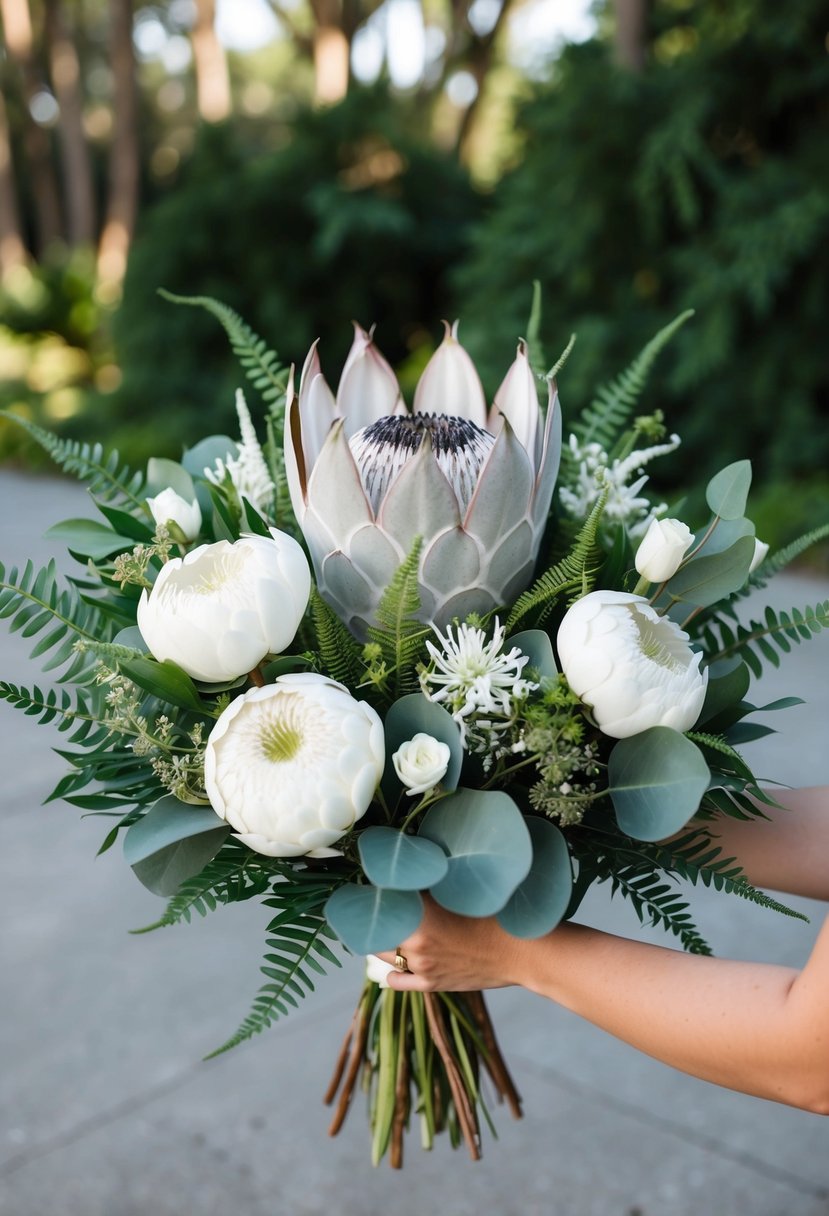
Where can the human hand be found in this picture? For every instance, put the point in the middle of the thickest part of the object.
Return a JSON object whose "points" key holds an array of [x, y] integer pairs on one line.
{"points": [[450, 953]]}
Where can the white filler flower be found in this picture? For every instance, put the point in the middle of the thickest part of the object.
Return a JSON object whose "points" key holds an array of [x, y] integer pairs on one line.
{"points": [[633, 667], [475, 676], [169, 507], [661, 552], [218, 611], [293, 765], [421, 762]]}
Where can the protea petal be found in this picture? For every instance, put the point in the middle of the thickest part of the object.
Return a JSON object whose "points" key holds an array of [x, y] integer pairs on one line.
{"points": [[420, 502], [335, 487], [517, 400], [550, 460], [451, 561], [504, 491], [316, 406], [450, 384], [368, 388]]}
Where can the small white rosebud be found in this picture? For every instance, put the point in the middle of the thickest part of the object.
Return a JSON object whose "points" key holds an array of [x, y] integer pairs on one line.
{"points": [[421, 763], [760, 551], [377, 970], [661, 552], [168, 507]]}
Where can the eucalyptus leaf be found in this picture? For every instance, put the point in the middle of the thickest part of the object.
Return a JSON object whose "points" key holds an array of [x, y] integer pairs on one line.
{"points": [[541, 900], [164, 872], [368, 919], [724, 535], [404, 863], [538, 648], [164, 680], [205, 454], [415, 714], [168, 475], [656, 780], [489, 849], [727, 491], [167, 822], [132, 637], [707, 579], [89, 538], [728, 683]]}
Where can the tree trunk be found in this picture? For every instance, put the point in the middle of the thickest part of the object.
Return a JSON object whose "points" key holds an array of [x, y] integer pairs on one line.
{"points": [[77, 165], [124, 160], [631, 28], [212, 78], [332, 53], [12, 248], [19, 37]]}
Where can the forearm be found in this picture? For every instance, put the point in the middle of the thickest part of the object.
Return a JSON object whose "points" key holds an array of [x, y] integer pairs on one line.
{"points": [[760, 1029]]}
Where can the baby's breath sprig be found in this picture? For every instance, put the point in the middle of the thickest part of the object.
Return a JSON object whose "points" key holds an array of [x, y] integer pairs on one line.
{"points": [[132, 567]]}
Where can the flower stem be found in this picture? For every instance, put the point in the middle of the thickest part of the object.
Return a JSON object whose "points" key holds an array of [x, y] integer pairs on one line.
{"points": [[463, 1107], [256, 677]]}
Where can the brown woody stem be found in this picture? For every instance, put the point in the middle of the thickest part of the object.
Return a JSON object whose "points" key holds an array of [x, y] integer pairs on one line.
{"points": [[357, 1057], [492, 1057], [465, 1113]]}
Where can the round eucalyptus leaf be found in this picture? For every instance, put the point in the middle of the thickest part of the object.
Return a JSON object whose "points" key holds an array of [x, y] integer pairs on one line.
{"points": [[131, 636], [403, 863], [727, 491], [538, 648], [724, 535], [488, 846], [707, 579], [656, 780], [368, 919], [416, 714], [539, 903], [207, 451], [164, 872], [168, 475], [166, 822]]}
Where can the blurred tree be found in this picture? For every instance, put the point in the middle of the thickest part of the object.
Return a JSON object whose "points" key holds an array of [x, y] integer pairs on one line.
{"points": [[12, 248], [65, 70], [124, 162], [212, 77], [630, 39]]}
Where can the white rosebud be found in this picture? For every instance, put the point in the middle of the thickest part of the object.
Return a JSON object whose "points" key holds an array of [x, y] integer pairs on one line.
{"points": [[377, 970], [293, 765], [218, 611], [421, 763], [661, 552], [633, 667], [760, 551], [168, 507]]}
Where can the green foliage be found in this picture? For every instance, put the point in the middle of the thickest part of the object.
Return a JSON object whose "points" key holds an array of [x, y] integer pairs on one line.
{"points": [[397, 632], [775, 562], [340, 656], [761, 640], [235, 874], [81, 713], [571, 577], [33, 603]]}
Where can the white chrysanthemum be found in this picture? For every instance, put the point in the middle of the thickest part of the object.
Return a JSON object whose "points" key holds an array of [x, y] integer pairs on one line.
{"points": [[625, 505], [248, 471], [293, 765], [474, 676], [633, 667]]}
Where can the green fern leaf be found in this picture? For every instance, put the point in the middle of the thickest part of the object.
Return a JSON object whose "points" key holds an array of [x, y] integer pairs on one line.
{"points": [[757, 641], [234, 875], [83, 713], [570, 578], [340, 656], [604, 420], [32, 602], [108, 480], [775, 562], [397, 631]]}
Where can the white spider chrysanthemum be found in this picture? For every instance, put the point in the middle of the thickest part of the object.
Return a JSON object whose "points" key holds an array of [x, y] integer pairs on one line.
{"points": [[625, 505], [475, 677], [248, 471]]}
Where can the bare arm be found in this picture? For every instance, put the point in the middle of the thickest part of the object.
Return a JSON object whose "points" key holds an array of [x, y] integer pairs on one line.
{"points": [[753, 1027]]}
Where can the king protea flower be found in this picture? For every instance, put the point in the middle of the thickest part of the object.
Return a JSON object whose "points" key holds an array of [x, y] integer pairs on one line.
{"points": [[367, 477]]}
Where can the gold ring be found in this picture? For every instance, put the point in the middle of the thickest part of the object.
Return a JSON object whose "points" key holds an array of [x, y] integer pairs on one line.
{"points": [[400, 963]]}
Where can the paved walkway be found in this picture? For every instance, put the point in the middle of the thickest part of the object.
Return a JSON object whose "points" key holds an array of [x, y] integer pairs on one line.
{"points": [[108, 1111]]}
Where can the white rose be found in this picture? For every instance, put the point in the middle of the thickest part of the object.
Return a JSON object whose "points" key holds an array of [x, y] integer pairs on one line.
{"points": [[421, 762], [760, 551], [662, 549], [633, 667], [377, 970], [293, 765], [218, 611], [168, 507]]}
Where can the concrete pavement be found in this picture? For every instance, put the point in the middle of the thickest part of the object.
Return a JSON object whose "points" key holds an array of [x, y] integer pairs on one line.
{"points": [[108, 1111]]}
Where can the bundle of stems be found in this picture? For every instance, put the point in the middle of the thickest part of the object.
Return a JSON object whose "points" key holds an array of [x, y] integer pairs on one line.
{"points": [[421, 1053]]}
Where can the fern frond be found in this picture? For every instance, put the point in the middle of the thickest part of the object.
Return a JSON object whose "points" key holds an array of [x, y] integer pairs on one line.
{"points": [[775, 562], [604, 420], [261, 365], [82, 713], [33, 603], [652, 898], [340, 656], [757, 641], [715, 743], [569, 578], [397, 631], [108, 480], [235, 874]]}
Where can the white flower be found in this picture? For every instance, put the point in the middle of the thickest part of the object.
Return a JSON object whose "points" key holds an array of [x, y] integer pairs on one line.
{"points": [[248, 470], [660, 554], [218, 611], [421, 762], [293, 765], [625, 505], [633, 667], [377, 970], [760, 551], [168, 507], [474, 676]]}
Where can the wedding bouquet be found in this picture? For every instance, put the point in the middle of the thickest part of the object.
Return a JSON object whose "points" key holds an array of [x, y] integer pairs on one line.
{"points": [[504, 675]]}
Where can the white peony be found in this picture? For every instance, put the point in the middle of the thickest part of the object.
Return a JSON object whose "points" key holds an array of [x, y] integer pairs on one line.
{"points": [[660, 554], [633, 667], [421, 762], [168, 507], [221, 609], [292, 766]]}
